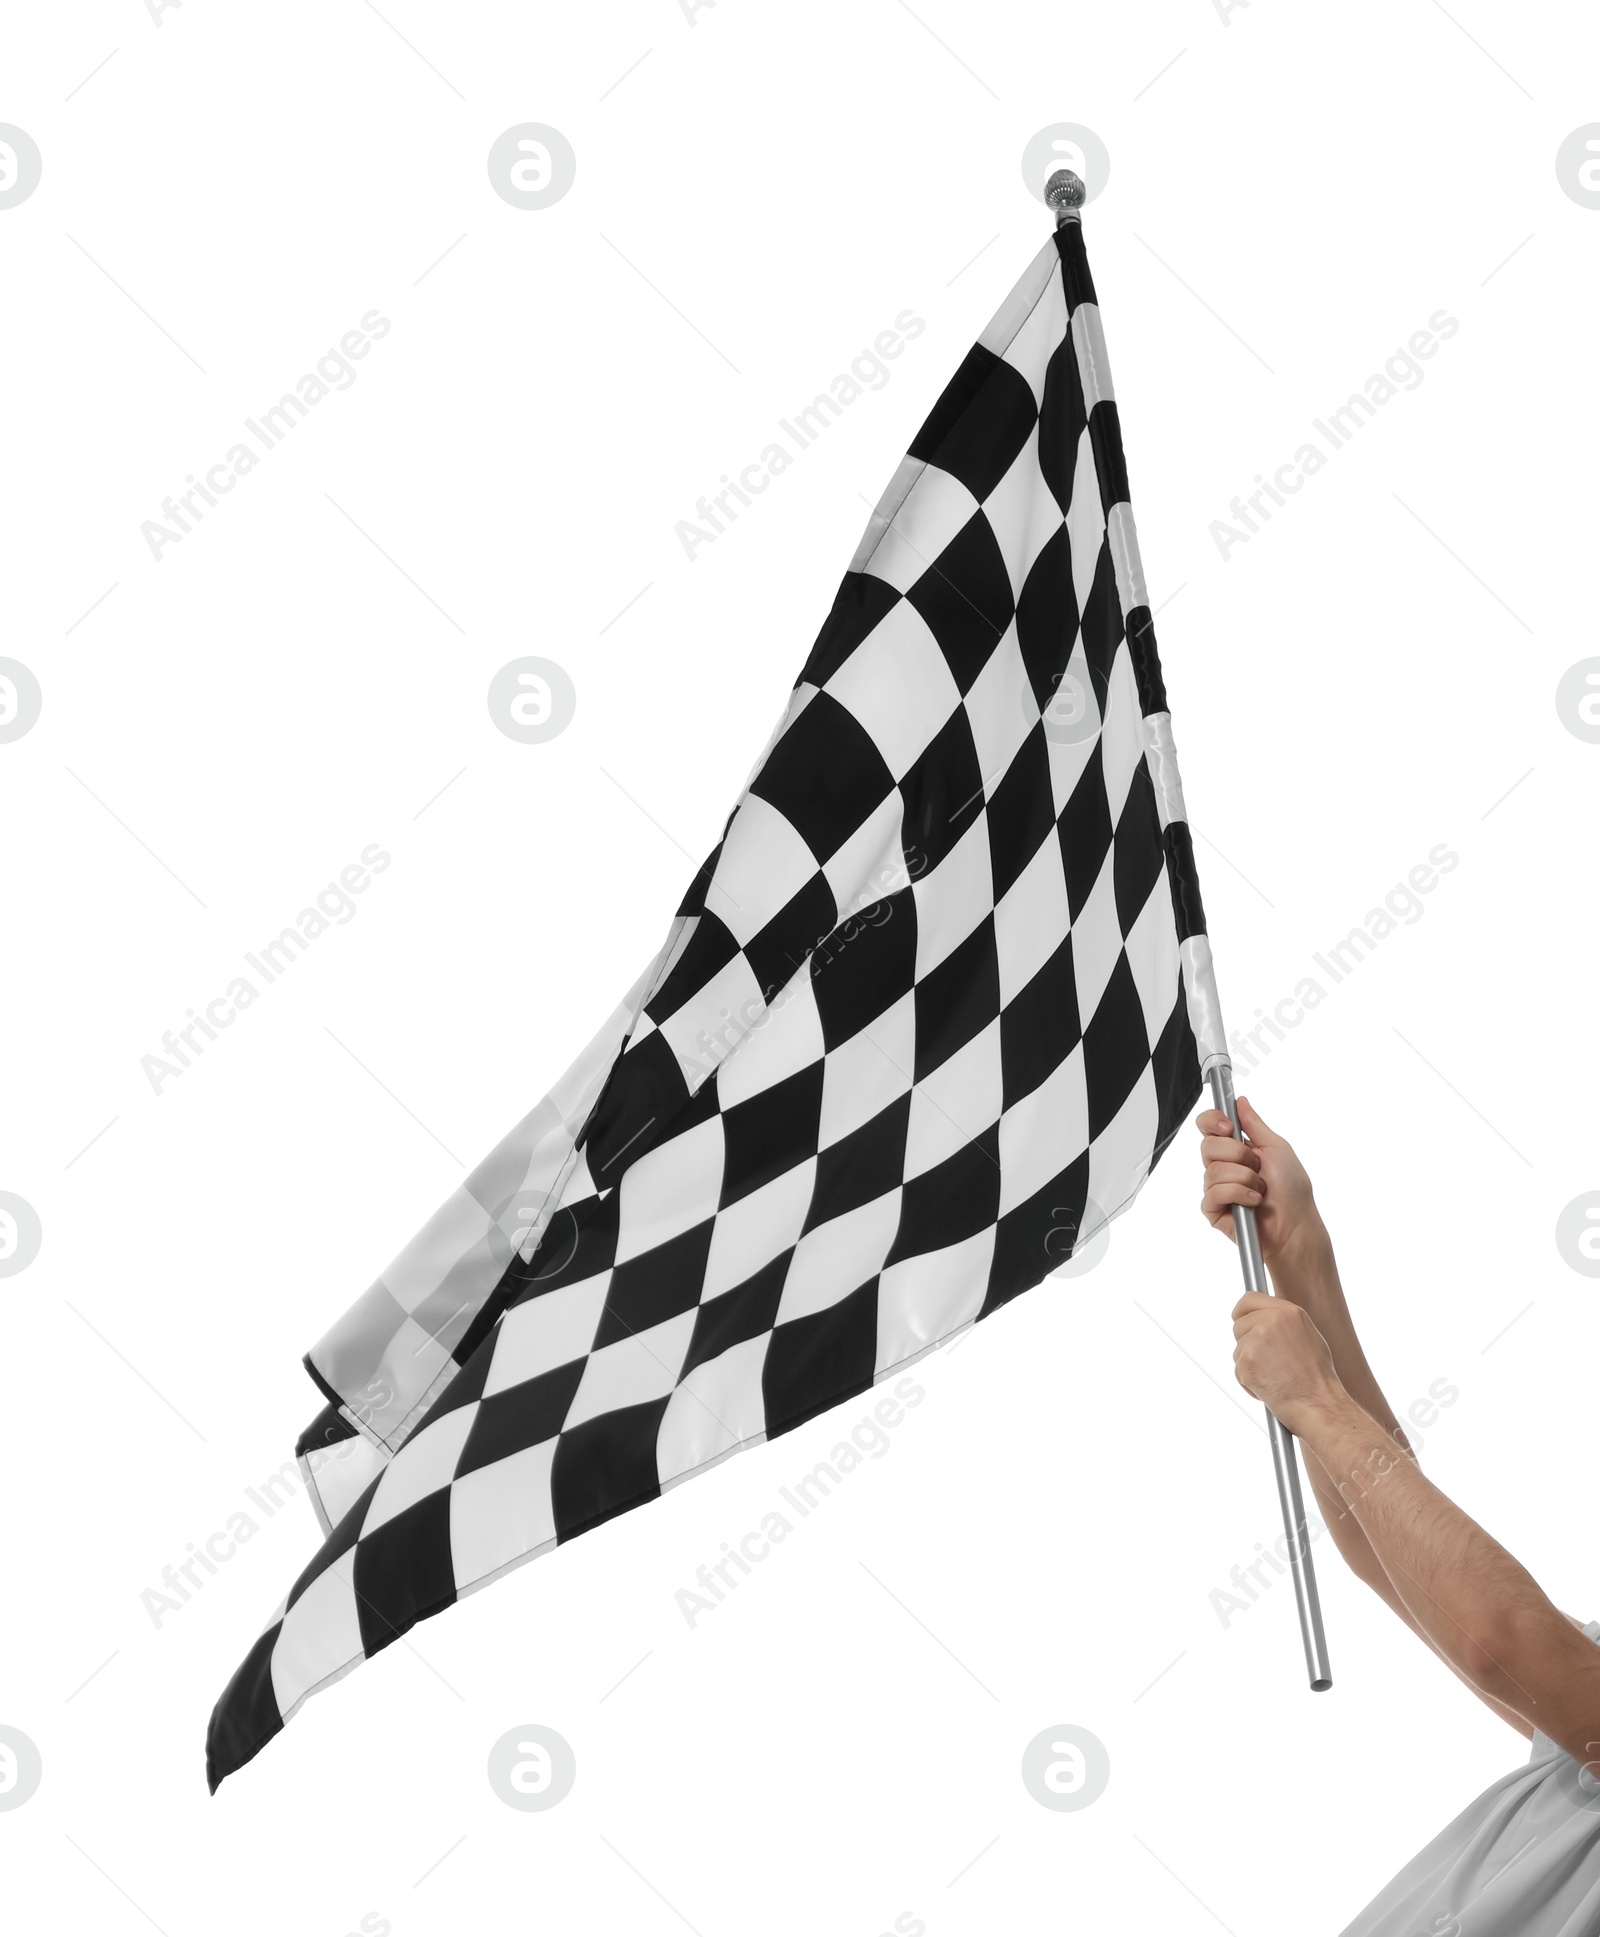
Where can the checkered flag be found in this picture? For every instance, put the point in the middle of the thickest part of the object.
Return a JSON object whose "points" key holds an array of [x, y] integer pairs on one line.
{"points": [[927, 1016]]}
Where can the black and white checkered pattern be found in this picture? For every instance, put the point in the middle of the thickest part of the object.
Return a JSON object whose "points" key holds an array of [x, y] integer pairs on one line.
{"points": [[937, 1002]]}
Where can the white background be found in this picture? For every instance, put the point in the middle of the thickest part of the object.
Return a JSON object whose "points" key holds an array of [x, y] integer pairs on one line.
{"points": [[1293, 192]]}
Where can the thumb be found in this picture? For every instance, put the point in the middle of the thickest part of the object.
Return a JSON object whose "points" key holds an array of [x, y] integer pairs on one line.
{"points": [[1256, 1128]]}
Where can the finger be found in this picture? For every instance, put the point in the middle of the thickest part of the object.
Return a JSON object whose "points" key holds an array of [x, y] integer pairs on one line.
{"points": [[1274, 1324], [1252, 1301], [1235, 1174], [1254, 1125], [1219, 1199], [1228, 1185], [1219, 1220], [1223, 1150], [1214, 1123]]}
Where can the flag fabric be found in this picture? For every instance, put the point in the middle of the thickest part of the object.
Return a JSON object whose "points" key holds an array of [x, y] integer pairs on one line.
{"points": [[926, 1017]]}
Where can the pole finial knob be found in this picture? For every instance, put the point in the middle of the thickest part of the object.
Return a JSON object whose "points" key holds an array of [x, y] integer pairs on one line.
{"points": [[1066, 194]]}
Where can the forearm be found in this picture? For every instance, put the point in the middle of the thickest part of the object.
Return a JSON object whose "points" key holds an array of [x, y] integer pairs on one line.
{"points": [[1359, 1557], [1307, 1274], [1475, 1604]]}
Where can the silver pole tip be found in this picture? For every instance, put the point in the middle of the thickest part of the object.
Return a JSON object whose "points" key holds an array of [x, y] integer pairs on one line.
{"points": [[1065, 193]]}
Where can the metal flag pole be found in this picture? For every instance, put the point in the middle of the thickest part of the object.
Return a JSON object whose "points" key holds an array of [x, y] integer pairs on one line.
{"points": [[1219, 1075], [1065, 194]]}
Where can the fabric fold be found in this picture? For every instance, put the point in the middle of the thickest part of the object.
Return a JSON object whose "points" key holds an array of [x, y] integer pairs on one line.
{"points": [[923, 1022]]}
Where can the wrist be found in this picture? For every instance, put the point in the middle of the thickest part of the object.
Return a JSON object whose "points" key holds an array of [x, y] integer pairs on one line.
{"points": [[1331, 1424], [1302, 1266], [1327, 1419]]}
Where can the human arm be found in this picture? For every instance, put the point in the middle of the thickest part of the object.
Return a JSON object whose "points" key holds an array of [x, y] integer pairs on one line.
{"points": [[1265, 1173], [1471, 1600]]}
